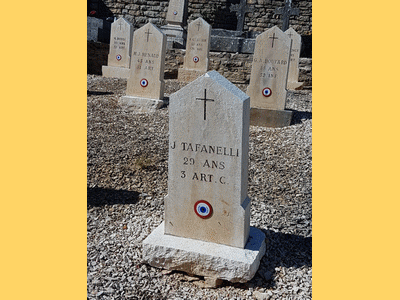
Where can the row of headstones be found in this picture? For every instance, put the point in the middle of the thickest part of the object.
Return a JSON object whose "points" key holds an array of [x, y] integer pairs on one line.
{"points": [[141, 59], [206, 230]]}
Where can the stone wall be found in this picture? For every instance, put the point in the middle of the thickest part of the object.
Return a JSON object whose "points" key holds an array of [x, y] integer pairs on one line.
{"points": [[236, 67], [215, 12]]}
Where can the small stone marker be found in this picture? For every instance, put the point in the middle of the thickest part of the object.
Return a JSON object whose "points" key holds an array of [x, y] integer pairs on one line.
{"points": [[177, 12], [269, 73], [293, 75], [197, 51], [176, 19], [145, 88], [119, 58], [207, 230]]}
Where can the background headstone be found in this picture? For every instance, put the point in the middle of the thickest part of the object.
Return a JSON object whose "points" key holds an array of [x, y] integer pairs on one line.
{"points": [[145, 87], [207, 211], [269, 73], [197, 51], [176, 19], [98, 30], [293, 76], [119, 58]]}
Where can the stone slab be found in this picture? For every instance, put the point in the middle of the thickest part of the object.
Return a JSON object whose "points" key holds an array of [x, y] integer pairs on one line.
{"points": [[208, 162], [269, 72], [177, 12], [140, 105], [120, 44], [188, 75], [98, 30], [293, 75], [291, 85], [146, 79], [232, 44], [176, 36], [197, 46], [116, 72], [205, 258], [270, 118]]}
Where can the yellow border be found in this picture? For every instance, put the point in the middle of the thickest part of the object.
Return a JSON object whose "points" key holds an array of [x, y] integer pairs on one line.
{"points": [[43, 160], [355, 150]]}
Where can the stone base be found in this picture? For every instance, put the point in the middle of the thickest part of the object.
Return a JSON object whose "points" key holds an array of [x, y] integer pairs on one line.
{"points": [[270, 118], [185, 75], [294, 85], [204, 258], [176, 36], [117, 72], [138, 104]]}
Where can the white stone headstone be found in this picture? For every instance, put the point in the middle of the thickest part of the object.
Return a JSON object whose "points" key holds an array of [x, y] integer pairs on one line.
{"points": [[207, 211], [197, 50], [293, 76], [208, 159], [119, 57], [177, 12], [269, 73], [145, 87]]}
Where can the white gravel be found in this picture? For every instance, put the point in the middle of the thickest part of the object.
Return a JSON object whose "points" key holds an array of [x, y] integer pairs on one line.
{"points": [[127, 180]]}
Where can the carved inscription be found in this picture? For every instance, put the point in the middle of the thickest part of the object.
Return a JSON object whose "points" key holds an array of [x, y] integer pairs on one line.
{"points": [[196, 43], [119, 43], [145, 60], [270, 67], [210, 167]]}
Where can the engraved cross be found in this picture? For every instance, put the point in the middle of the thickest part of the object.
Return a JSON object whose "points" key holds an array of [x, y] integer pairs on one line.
{"points": [[147, 33], [273, 38], [198, 26], [286, 12], [205, 103]]}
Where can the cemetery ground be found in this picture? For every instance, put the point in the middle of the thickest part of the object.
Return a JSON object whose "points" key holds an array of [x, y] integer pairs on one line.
{"points": [[127, 167]]}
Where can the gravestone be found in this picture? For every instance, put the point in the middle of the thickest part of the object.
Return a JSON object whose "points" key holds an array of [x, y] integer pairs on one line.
{"points": [[293, 76], [176, 20], [119, 58], [269, 73], [241, 9], [207, 230], [98, 30], [197, 51], [145, 87], [286, 12]]}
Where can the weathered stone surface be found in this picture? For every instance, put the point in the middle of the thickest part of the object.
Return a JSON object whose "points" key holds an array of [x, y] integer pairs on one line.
{"points": [[146, 80], [177, 12], [197, 50], [208, 161], [269, 71], [119, 57], [270, 118], [98, 30], [293, 76], [232, 44], [205, 258]]}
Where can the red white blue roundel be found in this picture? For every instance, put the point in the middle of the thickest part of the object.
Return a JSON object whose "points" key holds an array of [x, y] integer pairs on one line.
{"points": [[196, 59], [175, 12], [203, 209], [144, 82], [266, 92], [119, 57]]}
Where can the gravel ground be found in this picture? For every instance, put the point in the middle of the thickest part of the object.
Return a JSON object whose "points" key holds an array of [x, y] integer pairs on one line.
{"points": [[127, 180]]}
